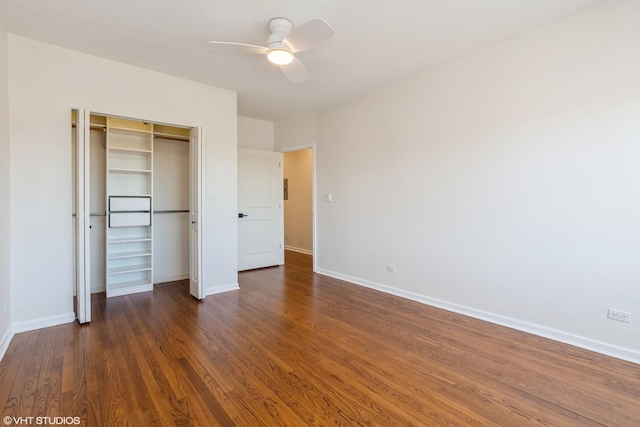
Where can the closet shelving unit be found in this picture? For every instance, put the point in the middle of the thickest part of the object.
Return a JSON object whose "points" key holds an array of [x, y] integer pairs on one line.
{"points": [[129, 234]]}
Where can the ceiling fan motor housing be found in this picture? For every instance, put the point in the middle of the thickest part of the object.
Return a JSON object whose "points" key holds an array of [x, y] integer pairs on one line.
{"points": [[280, 29]]}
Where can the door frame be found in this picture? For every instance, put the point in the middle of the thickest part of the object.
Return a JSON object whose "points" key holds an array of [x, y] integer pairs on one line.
{"points": [[313, 196], [82, 195]]}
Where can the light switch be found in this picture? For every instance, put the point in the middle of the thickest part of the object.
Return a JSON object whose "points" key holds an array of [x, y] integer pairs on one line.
{"points": [[327, 198]]}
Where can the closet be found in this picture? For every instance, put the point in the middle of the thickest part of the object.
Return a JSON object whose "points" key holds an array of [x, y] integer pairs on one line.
{"points": [[139, 202]]}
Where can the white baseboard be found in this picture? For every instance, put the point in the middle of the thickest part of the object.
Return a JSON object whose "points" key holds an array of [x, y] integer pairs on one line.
{"points": [[5, 341], [299, 250], [623, 353], [44, 322], [98, 289], [220, 289]]}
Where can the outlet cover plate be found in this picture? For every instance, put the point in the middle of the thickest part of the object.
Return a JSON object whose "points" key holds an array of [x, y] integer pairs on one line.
{"points": [[621, 316]]}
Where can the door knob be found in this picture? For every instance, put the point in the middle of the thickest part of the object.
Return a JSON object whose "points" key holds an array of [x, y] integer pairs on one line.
{"points": [[242, 215]]}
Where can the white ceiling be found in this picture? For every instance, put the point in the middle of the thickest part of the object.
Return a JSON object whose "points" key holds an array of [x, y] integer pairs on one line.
{"points": [[375, 42]]}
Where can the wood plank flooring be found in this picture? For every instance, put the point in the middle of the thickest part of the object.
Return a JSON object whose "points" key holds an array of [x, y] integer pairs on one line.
{"points": [[294, 348]]}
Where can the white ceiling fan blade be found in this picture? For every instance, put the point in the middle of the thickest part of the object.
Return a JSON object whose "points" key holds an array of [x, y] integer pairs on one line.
{"points": [[237, 48], [310, 34], [295, 72]]}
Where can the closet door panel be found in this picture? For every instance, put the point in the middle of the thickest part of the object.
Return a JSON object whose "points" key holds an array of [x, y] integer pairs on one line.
{"points": [[98, 224], [97, 161], [82, 149], [98, 218]]}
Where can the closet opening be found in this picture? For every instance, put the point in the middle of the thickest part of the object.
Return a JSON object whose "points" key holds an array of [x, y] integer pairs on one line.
{"points": [[136, 206]]}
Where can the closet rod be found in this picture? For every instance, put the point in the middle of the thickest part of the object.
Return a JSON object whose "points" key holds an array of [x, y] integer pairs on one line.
{"points": [[171, 211], [155, 212], [95, 214], [93, 127], [172, 137]]}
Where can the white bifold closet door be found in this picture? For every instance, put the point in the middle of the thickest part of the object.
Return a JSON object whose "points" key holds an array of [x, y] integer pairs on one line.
{"points": [[97, 215], [82, 205], [196, 281]]}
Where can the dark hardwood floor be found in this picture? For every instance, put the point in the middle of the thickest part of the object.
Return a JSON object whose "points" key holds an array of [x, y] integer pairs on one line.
{"points": [[294, 348]]}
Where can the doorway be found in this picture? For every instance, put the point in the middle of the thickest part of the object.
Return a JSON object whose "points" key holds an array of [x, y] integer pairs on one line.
{"points": [[262, 205], [129, 176], [298, 201]]}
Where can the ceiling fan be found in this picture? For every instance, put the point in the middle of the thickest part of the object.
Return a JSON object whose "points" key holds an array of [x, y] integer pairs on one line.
{"points": [[284, 42]]}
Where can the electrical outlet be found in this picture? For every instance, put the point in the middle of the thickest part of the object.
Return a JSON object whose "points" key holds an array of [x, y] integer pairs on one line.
{"points": [[391, 268], [621, 316]]}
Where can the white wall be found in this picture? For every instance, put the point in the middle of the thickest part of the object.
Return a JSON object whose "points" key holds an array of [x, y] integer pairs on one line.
{"points": [[45, 82], [5, 247], [505, 184], [255, 134], [295, 133], [298, 209]]}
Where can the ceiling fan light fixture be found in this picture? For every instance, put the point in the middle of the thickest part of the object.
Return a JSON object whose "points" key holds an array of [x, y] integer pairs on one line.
{"points": [[283, 42], [280, 56]]}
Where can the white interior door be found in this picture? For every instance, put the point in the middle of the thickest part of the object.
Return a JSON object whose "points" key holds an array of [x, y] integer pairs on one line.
{"points": [[260, 213], [196, 284], [83, 243]]}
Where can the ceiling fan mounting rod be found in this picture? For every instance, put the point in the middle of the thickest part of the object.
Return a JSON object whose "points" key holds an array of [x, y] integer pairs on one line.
{"points": [[280, 29]]}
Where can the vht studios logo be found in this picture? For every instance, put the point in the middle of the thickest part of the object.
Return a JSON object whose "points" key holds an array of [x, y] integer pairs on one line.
{"points": [[41, 421]]}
